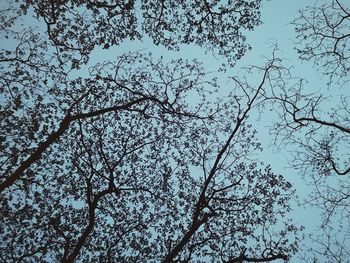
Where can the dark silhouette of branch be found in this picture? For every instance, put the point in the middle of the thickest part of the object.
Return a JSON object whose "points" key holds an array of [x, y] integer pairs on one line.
{"points": [[323, 34], [243, 258], [54, 137], [91, 223], [203, 201]]}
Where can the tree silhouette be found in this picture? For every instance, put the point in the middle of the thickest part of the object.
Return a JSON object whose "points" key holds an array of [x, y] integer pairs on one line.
{"points": [[319, 137], [319, 133], [323, 37], [41, 72], [81, 26], [119, 165]]}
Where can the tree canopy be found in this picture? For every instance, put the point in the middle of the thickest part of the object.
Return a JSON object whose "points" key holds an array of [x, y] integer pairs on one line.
{"points": [[144, 158]]}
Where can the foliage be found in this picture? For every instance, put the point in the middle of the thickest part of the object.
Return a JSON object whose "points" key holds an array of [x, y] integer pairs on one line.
{"points": [[80, 26], [119, 165]]}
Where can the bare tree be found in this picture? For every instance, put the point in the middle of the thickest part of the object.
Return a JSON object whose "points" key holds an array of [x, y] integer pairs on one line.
{"points": [[317, 132], [318, 136], [328, 245], [323, 37]]}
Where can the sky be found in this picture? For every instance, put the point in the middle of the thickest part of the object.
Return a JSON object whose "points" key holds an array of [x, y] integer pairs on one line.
{"points": [[276, 17]]}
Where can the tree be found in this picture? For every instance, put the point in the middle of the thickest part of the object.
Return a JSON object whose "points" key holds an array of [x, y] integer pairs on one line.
{"points": [[323, 37], [331, 246], [319, 133], [71, 36], [218, 200], [216, 26], [325, 130], [319, 139], [118, 165]]}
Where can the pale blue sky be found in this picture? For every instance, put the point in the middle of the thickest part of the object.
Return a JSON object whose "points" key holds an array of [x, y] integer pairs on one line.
{"points": [[276, 17]]}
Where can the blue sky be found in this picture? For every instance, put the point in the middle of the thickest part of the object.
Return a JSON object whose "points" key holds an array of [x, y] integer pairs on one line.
{"points": [[276, 17]]}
